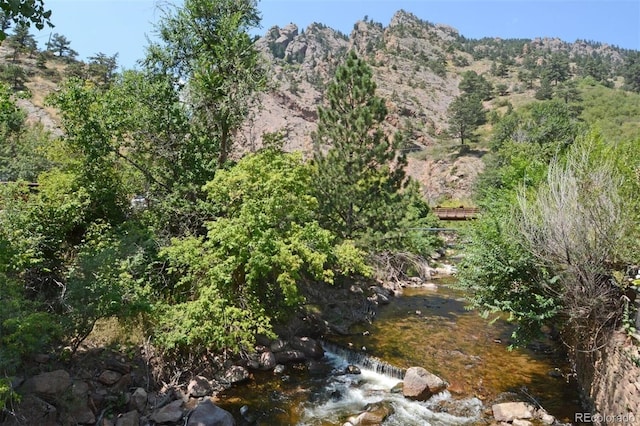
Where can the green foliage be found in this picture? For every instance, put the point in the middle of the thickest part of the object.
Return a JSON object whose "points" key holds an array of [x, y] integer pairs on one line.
{"points": [[476, 85], [552, 125], [14, 75], [207, 45], [631, 71], [359, 177], [25, 13], [466, 114], [232, 283], [60, 45], [25, 327], [109, 277], [614, 112], [556, 69], [504, 277]]}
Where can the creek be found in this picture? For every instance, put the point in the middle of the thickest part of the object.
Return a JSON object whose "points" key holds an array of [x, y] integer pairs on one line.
{"points": [[424, 327]]}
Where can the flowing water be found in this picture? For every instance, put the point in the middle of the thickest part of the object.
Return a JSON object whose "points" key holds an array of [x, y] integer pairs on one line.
{"points": [[427, 328]]}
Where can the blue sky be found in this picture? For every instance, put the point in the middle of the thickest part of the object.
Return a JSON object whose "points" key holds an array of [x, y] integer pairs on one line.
{"points": [[122, 26]]}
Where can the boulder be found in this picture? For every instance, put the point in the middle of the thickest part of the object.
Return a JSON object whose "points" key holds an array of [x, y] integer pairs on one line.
{"points": [[109, 377], [81, 413], [35, 411], [132, 418], [138, 400], [375, 414], [419, 384], [352, 369], [311, 347], [267, 360], [236, 374], [508, 411], [287, 357], [208, 414], [199, 386], [521, 422], [117, 365], [48, 385], [170, 413], [278, 345]]}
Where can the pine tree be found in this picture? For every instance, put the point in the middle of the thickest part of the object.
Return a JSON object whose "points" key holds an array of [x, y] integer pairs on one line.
{"points": [[60, 45], [359, 170], [466, 114]]}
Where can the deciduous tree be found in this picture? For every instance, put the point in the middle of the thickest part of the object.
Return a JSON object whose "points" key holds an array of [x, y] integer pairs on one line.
{"points": [[206, 45]]}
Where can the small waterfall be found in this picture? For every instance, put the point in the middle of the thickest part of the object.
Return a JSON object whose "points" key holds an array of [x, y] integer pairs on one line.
{"points": [[365, 361]]}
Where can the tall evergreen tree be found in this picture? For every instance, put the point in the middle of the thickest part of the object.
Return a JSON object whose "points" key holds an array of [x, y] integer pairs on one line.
{"points": [[359, 170], [60, 45], [466, 113]]}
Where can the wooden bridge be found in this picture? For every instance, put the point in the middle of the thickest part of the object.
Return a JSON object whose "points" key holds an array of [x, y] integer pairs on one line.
{"points": [[456, 213]]}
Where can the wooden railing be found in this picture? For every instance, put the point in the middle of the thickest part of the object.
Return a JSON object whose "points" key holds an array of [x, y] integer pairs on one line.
{"points": [[456, 213]]}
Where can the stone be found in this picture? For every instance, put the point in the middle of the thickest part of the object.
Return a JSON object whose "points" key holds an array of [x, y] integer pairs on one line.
{"points": [[35, 411], [80, 389], [547, 419], [199, 386], [132, 418], [236, 374], [352, 369], [521, 422], [48, 385], [289, 356], [170, 413], [420, 384], [109, 377], [41, 358], [311, 347], [208, 414], [115, 364], [375, 414], [123, 384], [82, 414], [138, 400], [356, 289], [247, 415], [278, 345], [279, 369], [508, 411], [267, 360]]}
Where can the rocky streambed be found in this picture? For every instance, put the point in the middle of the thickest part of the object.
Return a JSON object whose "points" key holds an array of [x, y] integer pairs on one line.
{"points": [[425, 360]]}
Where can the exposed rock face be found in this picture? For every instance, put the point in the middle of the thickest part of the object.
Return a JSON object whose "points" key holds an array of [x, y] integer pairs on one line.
{"points": [[208, 414], [419, 384], [609, 377]]}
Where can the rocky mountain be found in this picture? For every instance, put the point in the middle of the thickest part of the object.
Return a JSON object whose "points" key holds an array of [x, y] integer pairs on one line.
{"points": [[417, 66]]}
